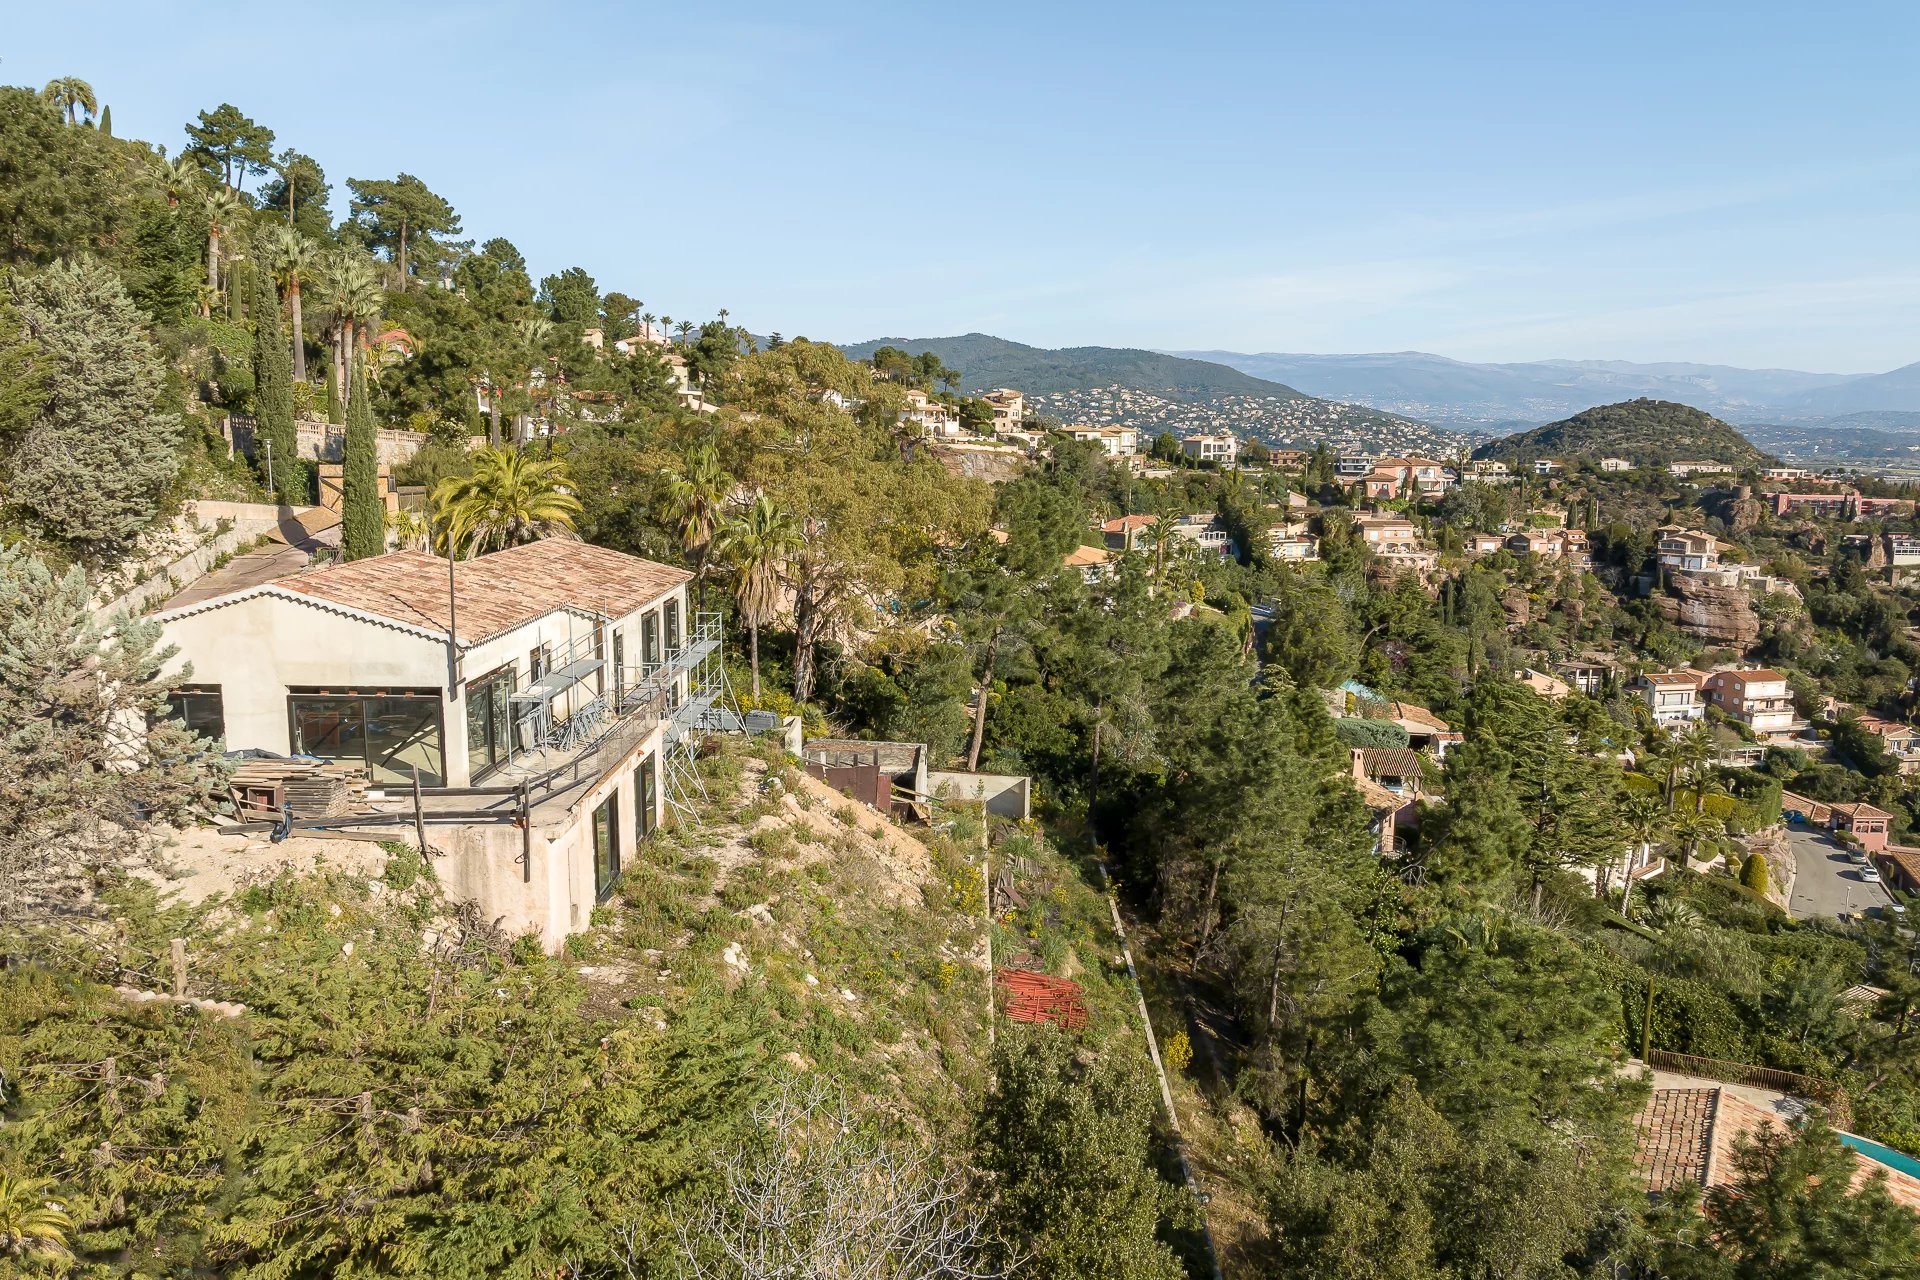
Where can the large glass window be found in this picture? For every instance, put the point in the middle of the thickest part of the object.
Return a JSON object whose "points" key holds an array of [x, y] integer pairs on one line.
{"points": [[489, 721], [619, 664], [606, 845], [388, 732], [650, 638], [198, 706], [673, 626], [644, 799]]}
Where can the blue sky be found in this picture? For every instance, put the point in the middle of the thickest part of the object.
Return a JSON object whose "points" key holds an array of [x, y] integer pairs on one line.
{"points": [[1723, 183]]}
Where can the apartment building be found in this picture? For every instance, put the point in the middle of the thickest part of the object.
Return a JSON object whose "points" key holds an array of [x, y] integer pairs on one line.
{"points": [[1697, 468], [1756, 697]]}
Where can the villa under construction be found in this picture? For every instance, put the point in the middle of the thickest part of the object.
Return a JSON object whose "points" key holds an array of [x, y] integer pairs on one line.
{"points": [[528, 715]]}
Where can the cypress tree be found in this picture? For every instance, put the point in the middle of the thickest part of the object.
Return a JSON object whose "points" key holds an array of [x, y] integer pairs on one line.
{"points": [[106, 122], [273, 395], [363, 515]]}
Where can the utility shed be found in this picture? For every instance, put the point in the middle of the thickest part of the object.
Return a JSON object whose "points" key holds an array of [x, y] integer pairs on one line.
{"points": [[870, 771]]}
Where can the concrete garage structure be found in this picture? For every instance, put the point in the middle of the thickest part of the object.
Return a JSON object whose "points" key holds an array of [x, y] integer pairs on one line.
{"points": [[555, 678]]}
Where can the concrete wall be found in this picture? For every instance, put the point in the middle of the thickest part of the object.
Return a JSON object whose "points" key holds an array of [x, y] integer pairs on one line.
{"points": [[1009, 795], [162, 579], [482, 863]]}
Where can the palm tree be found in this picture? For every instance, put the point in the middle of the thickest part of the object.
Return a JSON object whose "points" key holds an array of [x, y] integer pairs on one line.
{"points": [[646, 320], [72, 96], [223, 210], [1645, 819], [292, 255], [694, 499], [30, 1223], [685, 329], [759, 544], [510, 498], [178, 178], [1692, 830], [350, 289]]}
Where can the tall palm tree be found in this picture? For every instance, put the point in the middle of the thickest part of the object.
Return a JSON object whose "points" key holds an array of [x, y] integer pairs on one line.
{"points": [[758, 544], [72, 96], [695, 498], [510, 498], [350, 290], [293, 256], [30, 1223], [1644, 819], [685, 329], [646, 320], [224, 209]]}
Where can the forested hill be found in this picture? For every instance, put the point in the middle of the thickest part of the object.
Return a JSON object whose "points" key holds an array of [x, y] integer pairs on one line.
{"points": [[1645, 432], [986, 362]]}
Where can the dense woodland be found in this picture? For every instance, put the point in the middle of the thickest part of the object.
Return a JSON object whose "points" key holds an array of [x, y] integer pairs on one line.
{"points": [[1428, 1045]]}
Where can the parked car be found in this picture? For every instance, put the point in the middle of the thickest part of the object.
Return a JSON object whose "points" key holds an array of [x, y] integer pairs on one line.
{"points": [[1857, 856], [1868, 874]]}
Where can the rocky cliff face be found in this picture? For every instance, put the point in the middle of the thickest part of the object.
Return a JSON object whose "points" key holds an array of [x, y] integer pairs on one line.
{"points": [[1716, 614]]}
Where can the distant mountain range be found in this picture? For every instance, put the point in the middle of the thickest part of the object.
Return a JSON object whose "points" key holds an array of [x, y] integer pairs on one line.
{"points": [[1644, 432], [1155, 392], [986, 362], [1440, 390]]}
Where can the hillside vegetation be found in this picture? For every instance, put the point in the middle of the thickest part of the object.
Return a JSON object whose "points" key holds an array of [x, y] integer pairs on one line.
{"points": [[1645, 432]]}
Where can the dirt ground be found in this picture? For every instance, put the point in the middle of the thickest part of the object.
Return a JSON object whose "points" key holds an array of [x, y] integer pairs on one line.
{"points": [[199, 862]]}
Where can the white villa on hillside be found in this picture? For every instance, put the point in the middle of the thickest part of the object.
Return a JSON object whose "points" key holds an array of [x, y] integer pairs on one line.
{"points": [[556, 675]]}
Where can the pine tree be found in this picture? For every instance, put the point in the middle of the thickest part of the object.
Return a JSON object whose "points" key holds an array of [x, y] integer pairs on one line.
{"points": [[93, 462], [364, 525], [273, 395], [70, 776]]}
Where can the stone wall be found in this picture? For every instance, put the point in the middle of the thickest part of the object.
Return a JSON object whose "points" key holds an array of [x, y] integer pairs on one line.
{"points": [[322, 441]]}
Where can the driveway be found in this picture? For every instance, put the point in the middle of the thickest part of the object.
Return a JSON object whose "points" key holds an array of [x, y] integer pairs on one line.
{"points": [[1826, 883]]}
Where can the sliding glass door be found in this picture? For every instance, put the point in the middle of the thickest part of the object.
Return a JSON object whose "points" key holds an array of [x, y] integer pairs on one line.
{"points": [[388, 732]]}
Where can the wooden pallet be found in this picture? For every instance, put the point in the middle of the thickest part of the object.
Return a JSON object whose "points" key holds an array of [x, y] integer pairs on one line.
{"points": [[312, 789]]}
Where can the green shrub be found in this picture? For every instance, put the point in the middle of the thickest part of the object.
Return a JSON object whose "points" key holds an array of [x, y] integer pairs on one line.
{"points": [[1754, 874], [1355, 732]]}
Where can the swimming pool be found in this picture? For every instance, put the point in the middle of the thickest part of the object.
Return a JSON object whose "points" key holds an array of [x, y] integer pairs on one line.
{"points": [[1883, 1155]]}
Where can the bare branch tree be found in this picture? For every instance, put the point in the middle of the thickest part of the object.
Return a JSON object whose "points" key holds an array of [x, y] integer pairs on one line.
{"points": [[817, 1195]]}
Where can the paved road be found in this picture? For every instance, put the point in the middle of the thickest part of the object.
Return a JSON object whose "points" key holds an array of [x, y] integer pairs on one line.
{"points": [[1826, 883]]}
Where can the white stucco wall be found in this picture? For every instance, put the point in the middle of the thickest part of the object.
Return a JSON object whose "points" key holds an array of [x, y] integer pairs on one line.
{"points": [[255, 649]]}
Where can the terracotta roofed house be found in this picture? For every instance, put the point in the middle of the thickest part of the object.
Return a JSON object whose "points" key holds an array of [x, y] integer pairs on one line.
{"points": [[496, 671], [1672, 696]]}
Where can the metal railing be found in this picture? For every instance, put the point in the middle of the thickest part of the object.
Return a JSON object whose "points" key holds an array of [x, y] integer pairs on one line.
{"points": [[1825, 1092]]}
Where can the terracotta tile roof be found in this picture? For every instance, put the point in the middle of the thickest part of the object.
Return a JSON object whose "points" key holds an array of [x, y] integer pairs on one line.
{"points": [[1390, 762], [1407, 711], [1086, 557], [1860, 810], [493, 593], [1126, 524], [1674, 1138], [1378, 798]]}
